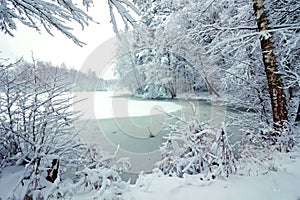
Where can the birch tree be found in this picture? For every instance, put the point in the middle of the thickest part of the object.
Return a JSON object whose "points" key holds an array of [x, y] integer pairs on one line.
{"points": [[275, 84]]}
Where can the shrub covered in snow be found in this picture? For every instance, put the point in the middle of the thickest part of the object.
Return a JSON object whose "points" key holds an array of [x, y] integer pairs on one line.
{"points": [[98, 178], [37, 130], [95, 178], [191, 149], [261, 147]]}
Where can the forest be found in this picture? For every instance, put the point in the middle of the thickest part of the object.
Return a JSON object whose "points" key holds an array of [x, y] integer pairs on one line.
{"points": [[240, 54]]}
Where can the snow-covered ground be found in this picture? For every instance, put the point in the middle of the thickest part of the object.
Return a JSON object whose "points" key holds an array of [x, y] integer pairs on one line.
{"points": [[9, 178], [284, 184]]}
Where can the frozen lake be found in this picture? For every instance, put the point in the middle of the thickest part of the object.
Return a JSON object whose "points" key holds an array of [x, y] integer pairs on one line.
{"points": [[111, 119]]}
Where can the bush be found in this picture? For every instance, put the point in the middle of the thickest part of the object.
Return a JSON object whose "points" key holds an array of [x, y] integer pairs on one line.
{"points": [[37, 130], [191, 149]]}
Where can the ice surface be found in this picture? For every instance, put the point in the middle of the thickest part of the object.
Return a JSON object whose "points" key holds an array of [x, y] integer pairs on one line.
{"points": [[102, 105]]}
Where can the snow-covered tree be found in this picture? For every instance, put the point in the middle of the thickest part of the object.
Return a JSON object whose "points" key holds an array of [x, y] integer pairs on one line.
{"points": [[158, 49]]}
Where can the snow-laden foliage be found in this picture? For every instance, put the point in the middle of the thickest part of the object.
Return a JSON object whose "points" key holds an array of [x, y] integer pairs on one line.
{"points": [[47, 14], [35, 112], [188, 43], [223, 34], [155, 49], [123, 7], [143, 61], [57, 14], [95, 178], [193, 149], [260, 146], [102, 183], [36, 122], [37, 131]]}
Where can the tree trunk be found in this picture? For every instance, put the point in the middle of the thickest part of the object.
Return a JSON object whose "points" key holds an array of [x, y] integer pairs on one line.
{"points": [[297, 120], [210, 88], [277, 96]]}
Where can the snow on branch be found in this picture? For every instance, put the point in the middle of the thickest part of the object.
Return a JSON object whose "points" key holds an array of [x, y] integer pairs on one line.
{"points": [[48, 14], [125, 10]]}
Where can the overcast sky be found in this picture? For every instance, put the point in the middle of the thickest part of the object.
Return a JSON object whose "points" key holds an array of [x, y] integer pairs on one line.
{"points": [[59, 49]]}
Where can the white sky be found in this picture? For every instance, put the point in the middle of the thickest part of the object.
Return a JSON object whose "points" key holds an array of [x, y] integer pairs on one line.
{"points": [[59, 49]]}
